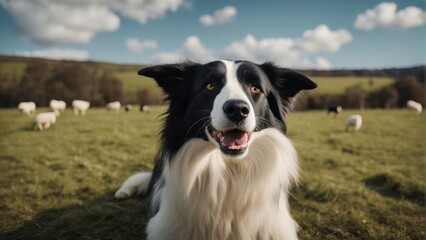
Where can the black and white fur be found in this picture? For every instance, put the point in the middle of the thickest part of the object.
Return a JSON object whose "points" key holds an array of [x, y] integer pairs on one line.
{"points": [[334, 109], [224, 166]]}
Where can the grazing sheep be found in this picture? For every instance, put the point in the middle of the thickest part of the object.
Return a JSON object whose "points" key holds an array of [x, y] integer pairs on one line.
{"points": [[128, 107], [114, 106], [354, 122], [80, 107], [57, 106], [27, 108], [334, 109], [144, 108], [414, 106], [45, 120]]}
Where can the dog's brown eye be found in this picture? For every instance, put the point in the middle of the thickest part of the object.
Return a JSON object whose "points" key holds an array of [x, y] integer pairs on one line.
{"points": [[254, 89], [210, 86]]}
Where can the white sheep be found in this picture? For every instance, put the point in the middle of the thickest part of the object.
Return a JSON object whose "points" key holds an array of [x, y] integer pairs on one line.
{"points": [[57, 106], [44, 120], [80, 107], [144, 108], [354, 122], [114, 106], [27, 108], [414, 106], [128, 107]]}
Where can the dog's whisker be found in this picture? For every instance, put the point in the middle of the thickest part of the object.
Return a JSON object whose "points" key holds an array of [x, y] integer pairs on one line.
{"points": [[199, 120], [206, 124]]}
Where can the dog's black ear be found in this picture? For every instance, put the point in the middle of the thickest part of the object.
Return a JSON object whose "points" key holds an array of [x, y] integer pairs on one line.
{"points": [[286, 84], [170, 76]]}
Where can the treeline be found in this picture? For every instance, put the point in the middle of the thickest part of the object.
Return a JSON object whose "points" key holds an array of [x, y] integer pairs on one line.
{"points": [[395, 95], [417, 73], [41, 81]]}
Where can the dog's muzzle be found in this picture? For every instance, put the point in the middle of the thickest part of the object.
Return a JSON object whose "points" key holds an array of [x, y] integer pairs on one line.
{"points": [[232, 142], [236, 110], [232, 139]]}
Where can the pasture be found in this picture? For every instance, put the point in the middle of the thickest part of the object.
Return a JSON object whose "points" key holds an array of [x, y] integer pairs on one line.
{"points": [[337, 85], [59, 183]]}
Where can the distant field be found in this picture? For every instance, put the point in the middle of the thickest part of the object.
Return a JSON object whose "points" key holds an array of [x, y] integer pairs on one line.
{"points": [[339, 84], [133, 83], [12, 68], [59, 184]]}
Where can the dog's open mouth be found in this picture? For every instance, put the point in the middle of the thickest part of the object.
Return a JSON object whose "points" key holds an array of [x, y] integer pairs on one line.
{"points": [[232, 142]]}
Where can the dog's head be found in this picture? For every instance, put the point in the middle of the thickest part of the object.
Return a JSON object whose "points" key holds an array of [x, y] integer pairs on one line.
{"points": [[225, 102]]}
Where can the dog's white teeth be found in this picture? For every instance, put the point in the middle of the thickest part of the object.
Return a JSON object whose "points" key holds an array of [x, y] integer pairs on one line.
{"points": [[220, 135]]}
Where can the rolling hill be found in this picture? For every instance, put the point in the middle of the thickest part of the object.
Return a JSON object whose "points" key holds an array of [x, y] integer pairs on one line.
{"points": [[329, 81]]}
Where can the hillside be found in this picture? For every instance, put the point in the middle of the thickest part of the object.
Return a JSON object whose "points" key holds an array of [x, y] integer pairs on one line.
{"points": [[329, 81], [126, 73]]}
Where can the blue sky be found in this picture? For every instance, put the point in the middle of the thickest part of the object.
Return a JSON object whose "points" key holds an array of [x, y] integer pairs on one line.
{"points": [[300, 34]]}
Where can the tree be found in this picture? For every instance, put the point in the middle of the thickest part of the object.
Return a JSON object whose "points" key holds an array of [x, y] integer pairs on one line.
{"points": [[355, 97], [110, 88], [147, 97], [385, 97], [31, 84], [409, 89]]}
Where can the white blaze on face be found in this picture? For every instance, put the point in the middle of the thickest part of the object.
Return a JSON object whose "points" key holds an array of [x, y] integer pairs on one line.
{"points": [[231, 91]]}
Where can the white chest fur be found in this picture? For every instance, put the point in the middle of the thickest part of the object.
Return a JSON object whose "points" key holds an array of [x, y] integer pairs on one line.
{"points": [[209, 196]]}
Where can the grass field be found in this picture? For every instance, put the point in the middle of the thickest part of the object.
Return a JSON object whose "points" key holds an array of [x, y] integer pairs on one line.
{"points": [[332, 85], [59, 183]]}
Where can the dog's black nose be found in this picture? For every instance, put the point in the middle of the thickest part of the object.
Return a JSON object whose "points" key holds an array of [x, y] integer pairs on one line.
{"points": [[236, 110]]}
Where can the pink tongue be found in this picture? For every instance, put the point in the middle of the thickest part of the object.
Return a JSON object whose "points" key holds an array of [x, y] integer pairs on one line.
{"points": [[234, 139]]}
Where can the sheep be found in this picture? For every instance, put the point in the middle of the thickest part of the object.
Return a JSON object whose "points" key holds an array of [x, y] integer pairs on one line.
{"points": [[27, 108], [414, 106], [57, 106], [354, 122], [114, 106], [128, 107], [44, 120], [334, 109], [144, 108], [80, 107]]}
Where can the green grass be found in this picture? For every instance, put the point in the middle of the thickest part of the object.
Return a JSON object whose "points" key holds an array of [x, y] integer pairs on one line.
{"points": [[329, 85], [59, 183], [364, 185], [12, 68]]}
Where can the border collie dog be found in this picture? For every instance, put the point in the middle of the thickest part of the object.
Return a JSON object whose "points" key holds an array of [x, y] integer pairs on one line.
{"points": [[224, 166]]}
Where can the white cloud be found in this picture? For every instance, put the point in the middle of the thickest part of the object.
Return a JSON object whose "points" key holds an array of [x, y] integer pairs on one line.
{"points": [[279, 50], [289, 52], [386, 15], [52, 22], [191, 49], [135, 45], [323, 39], [142, 10], [49, 22], [220, 16], [322, 63], [57, 54]]}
